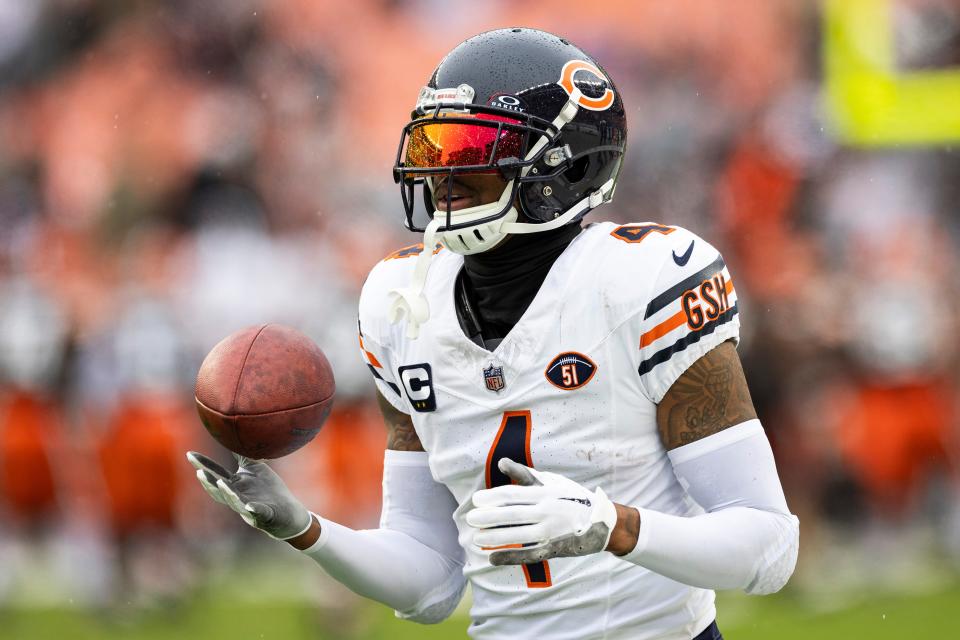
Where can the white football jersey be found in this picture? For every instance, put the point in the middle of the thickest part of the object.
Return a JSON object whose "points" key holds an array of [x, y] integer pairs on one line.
{"points": [[572, 389]]}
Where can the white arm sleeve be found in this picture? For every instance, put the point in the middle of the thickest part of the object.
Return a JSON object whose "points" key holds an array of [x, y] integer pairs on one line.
{"points": [[413, 562], [748, 539]]}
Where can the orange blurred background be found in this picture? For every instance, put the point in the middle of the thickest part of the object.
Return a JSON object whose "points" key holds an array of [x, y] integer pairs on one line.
{"points": [[171, 171]]}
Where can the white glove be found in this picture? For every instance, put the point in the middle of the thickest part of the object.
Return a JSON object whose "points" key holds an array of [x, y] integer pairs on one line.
{"points": [[256, 492], [552, 516]]}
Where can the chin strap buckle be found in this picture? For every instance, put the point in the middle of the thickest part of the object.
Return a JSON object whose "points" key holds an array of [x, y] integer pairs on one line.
{"points": [[596, 199], [601, 195]]}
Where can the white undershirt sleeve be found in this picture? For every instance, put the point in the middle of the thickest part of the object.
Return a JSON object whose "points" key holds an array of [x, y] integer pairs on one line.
{"points": [[413, 562], [748, 539]]}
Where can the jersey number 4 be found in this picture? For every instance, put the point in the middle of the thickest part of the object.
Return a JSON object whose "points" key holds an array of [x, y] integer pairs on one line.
{"points": [[513, 441]]}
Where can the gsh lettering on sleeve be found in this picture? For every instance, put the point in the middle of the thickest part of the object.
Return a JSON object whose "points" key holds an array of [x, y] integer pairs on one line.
{"points": [[707, 301]]}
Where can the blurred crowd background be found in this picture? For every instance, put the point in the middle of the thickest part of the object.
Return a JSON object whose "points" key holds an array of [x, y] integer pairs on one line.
{"points": [[172, 170]]}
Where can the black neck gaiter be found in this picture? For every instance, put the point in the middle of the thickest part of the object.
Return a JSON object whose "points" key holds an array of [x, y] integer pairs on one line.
{"points": [[503, 281]]}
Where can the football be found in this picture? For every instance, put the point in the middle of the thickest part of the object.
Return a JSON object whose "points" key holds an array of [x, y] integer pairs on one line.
{"points": [[264, 391]]}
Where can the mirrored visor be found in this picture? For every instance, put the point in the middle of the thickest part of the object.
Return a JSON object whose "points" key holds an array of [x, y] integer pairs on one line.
{"points": [[435, 144]]}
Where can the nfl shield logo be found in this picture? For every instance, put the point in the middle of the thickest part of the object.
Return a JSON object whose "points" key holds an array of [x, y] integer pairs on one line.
{"points": [[493, 377]]}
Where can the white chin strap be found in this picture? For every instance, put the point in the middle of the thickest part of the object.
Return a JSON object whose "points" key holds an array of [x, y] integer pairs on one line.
{"points": [[592, 201], [409, 301], [480, 237]]}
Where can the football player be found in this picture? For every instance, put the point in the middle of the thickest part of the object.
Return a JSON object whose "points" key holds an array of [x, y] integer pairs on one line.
{"points": [[569, 426]]}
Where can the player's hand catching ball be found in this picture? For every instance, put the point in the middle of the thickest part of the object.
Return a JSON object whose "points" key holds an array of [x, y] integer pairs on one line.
{"points": [[552, 514], [256, 492]]}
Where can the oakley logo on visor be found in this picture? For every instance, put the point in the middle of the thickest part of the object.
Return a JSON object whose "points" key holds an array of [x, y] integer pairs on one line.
{"points": [[512, 103], [566, 81]]}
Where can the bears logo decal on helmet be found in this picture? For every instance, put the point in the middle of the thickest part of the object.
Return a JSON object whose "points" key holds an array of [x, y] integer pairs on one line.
{"points": [[602, 103]]}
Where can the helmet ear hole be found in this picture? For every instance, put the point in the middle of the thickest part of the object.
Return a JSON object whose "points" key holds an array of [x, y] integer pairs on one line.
{"points": [[576, 173]]}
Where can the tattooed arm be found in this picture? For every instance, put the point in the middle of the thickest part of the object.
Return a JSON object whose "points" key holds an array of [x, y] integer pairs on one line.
{"points": [[401, 436], [709, 397], [747, 539]]}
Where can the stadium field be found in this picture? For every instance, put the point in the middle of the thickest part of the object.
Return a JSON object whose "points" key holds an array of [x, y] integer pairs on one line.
{"points": [[210, 616]]}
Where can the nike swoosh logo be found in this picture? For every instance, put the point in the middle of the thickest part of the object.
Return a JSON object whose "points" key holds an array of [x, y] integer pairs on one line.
{"points": [[682, 260]]}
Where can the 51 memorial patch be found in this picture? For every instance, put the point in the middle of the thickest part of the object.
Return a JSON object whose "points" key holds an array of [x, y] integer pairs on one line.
{"points": [[570, 370]]}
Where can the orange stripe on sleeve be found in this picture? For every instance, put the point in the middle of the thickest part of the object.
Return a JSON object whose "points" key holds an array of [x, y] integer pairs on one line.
{"points": [[663, 328], [671, 323], [370, 357], [373, 360]]}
